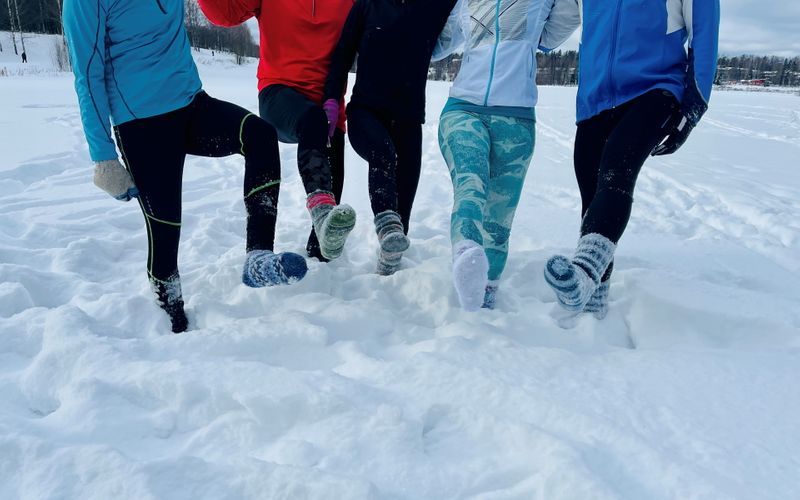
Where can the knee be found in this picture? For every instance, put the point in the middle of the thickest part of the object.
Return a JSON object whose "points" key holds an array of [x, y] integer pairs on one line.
{"points": [[498, 232], [256, 134], [616, 182]]}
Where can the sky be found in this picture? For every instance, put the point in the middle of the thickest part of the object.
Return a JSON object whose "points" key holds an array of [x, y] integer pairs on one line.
{"points": [[764, 27], [754, 27]]}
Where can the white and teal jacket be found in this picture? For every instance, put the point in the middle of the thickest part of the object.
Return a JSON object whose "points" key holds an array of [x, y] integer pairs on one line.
{"points": [[499, 39]]}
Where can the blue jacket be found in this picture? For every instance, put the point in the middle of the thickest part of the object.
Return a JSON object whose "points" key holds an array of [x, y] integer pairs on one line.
{"points": [[131, 60], [629, 47]]}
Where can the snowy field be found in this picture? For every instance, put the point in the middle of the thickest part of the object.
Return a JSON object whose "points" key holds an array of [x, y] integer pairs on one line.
{"points": [[353, 386]]}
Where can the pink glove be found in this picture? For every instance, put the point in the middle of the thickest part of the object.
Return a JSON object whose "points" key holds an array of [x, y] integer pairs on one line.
{"points": [[331, 108]]}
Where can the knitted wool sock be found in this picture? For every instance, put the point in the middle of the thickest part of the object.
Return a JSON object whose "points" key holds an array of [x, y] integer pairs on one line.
{"points": [[170, 299], [265, 268], [598, 304], [393, 242], [490, 295], [332, 222], [470, 270], [574, 281]]}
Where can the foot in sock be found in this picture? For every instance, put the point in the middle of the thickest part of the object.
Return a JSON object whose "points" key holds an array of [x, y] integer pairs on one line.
{"points": [[332, 223], [490, 295], [264, 268], [170, 299], [470, 274], [574, 281], [392, 240], [598, 304]]}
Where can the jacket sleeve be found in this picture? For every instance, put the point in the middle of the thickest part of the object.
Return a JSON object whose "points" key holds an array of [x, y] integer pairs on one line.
{"points": [[230, 12], [85, 31], [345, 52], [452, 38], [562, 21], [702, 24]]}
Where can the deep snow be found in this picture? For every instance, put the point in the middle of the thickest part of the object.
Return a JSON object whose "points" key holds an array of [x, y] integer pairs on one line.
{"points": [[351, 385]]}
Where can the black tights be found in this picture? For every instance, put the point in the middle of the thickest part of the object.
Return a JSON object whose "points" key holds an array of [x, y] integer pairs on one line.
{"points": [[393, 149], [610, 150], [298, 119], [154, 150]]}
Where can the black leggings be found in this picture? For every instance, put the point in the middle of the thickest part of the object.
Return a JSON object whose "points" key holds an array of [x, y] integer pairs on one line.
{"points": [[393, 149], [298, 120], [154, 150], [610, 150]]}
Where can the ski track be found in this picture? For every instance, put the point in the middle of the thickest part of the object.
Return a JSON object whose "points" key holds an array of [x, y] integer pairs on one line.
{"points": [[350, 385]]}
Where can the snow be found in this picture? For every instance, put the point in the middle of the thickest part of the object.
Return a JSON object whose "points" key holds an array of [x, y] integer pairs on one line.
{"points": [[350, 385], [40, 50]]}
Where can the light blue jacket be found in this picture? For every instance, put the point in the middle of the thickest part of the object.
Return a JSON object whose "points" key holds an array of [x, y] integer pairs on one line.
{"points": [[630, 47], [499, 39], [131, 60]]}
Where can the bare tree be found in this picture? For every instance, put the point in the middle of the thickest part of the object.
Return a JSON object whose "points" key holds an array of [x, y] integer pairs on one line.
{"points": [[11, 24], [19, 26]]}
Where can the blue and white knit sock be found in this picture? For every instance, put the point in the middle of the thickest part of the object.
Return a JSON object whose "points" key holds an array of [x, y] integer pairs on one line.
{"points": [[490, 295], [598, 304], [574, 281], [264, 268]]}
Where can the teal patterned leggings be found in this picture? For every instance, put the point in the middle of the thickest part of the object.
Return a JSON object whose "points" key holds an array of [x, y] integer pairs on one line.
{"points": [[488, 157]]}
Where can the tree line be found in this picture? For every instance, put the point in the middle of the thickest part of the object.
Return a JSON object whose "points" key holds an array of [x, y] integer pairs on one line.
{"points": [[561, 68], [44, 16], [555, 68]]}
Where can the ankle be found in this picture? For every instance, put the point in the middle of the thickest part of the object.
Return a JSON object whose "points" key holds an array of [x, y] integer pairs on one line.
{"points": [[319, 198]]}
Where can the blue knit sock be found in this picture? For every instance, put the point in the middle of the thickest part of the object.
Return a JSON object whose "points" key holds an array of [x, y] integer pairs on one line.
{"points": [[574, 281], [598, 304], [490, 295], [264, 268]]}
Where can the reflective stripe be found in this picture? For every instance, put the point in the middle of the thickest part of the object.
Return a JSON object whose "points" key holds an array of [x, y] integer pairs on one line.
{"points": [[176, 224], [241, 132], [261, 188]]}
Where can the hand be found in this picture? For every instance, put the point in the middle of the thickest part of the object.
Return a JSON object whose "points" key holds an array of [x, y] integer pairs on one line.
{"points": [[331, 108], [678, 129], [682, 122], [114, 179]]}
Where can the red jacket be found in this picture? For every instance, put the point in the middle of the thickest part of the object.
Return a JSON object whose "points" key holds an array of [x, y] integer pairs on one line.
{"points": [[297, 38]]}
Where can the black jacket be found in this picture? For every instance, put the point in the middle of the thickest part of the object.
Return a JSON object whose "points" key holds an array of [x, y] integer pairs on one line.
{"points": [[394, 40]]}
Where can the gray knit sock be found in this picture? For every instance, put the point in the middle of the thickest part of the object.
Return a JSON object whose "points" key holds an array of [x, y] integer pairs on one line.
{"points": [[575, 280], [392, 240], [332, 223]]}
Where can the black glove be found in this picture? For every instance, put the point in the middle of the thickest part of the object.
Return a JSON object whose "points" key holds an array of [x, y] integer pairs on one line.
{"points": [[683, 121], [679, 128]]}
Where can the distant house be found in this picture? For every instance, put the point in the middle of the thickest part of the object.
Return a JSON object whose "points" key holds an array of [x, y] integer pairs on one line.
{"points": [[759, 82]]}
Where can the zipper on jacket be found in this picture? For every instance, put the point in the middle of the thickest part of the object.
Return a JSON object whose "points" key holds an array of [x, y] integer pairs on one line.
{"points": [[612, 55], [494, 53], [313, 8], [161, 6]]}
